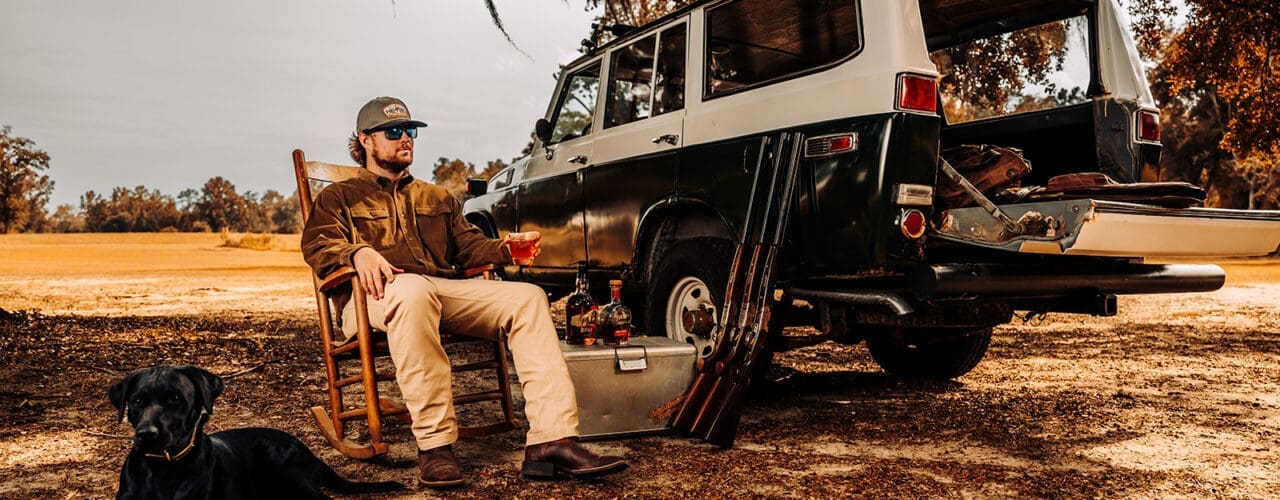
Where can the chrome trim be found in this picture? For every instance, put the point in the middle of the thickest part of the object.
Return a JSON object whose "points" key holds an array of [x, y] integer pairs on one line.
{"points": [[816, 147]]}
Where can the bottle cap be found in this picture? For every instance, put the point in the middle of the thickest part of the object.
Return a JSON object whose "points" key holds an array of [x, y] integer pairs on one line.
{"points": [[615, 282]]}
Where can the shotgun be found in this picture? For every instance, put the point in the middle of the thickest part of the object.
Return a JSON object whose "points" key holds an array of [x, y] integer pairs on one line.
{"points": [[753, 342], [726, 329]]}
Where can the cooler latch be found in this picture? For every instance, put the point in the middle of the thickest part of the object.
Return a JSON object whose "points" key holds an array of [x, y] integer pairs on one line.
{"points": [[628, 362]]}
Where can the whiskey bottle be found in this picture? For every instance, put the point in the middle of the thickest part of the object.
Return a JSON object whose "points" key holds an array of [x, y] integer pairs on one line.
{"points": [[580, 312], [615, 317]]}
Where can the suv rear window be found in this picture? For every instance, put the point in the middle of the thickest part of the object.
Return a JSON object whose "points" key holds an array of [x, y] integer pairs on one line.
{"points": [[755, 42], [1032, 69]]}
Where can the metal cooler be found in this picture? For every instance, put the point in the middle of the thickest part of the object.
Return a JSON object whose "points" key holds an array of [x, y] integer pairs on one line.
{"points": [[628, 390]]}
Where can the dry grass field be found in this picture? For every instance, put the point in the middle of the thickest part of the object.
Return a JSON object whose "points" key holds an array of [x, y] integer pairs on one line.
{"points": [[1178, 395], [149, 274]]}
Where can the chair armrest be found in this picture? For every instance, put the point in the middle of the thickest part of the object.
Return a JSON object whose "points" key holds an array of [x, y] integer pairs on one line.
{"points": [[472, 272], [336, 278]]}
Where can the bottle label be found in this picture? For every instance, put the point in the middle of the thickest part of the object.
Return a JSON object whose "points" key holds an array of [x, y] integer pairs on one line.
{"points": [[616, 335], [585, 321]]}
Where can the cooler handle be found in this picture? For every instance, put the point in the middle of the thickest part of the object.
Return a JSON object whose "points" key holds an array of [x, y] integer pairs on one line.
{"points": [[632, 365]]}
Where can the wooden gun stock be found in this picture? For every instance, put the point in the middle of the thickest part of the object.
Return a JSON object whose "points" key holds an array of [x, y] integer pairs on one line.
{"points": [[702, 385], [723, 427]]}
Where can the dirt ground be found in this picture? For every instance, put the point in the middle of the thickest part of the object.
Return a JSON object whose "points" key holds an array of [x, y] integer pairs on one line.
{"points": [[1178, 395]]}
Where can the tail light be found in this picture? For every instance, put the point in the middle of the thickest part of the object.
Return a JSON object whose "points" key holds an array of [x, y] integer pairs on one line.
{"points": [[1148, 126], [913, 224], [917, 93]]}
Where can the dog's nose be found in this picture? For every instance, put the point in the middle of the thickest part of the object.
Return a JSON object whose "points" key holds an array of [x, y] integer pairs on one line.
{"points": [[146, 432]]}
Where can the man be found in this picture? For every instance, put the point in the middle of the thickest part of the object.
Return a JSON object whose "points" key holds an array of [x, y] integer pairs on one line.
{"points": [[402, 235]]}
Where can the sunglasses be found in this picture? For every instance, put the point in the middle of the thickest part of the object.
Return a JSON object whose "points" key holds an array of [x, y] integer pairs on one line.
{"points": [[394, 133]]}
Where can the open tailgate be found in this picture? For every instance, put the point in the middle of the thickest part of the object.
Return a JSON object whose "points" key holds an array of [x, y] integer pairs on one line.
{"points": [[1117, 229]]}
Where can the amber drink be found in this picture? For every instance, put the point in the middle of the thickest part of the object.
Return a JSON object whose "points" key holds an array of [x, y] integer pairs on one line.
{"points": [[522, 244]]}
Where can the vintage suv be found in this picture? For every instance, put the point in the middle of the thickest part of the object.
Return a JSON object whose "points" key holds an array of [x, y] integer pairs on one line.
{"points": [[644, 161]]}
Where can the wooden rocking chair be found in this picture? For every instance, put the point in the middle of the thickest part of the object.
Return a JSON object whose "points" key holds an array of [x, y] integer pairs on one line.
{"points": [[370, 344]]}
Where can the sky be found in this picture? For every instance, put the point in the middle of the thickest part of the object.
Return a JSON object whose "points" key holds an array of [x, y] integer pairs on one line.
{"points": [[170, 93]]}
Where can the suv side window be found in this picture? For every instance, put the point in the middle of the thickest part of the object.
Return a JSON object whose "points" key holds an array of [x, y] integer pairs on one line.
{"points": [[577, 103], [756, 42], [630, 77], [668, 85], [639, 89], [502, 180]]}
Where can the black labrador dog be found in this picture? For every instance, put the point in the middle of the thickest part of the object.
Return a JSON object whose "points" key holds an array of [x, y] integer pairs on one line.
{"points": [[172, 457]]}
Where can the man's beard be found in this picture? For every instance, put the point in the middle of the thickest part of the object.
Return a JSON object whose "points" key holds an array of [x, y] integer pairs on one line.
{"points": [[390, 160]]}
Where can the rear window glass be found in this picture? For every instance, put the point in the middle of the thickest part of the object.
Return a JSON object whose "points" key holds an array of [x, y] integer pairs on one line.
{"points": [[1032, 69], [753, 42]]}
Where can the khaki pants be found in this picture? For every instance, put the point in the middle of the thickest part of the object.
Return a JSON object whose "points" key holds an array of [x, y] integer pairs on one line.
{"points": [[414, 310]]}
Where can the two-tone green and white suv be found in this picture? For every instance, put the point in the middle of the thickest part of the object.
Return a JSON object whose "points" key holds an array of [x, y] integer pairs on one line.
{"points": [[643, 164]]}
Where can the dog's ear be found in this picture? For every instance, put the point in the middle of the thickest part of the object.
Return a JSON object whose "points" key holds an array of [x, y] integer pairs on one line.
{"points": [[121, 391], [208, 384]]}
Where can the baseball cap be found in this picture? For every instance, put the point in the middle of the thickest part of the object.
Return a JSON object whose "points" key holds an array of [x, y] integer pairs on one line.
{"points": [[384, 112]]}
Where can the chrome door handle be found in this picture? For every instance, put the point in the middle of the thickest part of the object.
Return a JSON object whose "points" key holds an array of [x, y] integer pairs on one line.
{"points": [[578, 159], [671, 139]]}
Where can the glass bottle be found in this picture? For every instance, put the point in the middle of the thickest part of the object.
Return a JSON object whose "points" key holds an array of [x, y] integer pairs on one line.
{"points": [[615, 317], [580, 312]]}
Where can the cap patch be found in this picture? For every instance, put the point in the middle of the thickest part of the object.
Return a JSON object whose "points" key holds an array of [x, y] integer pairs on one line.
{"points": [[395, 110]]}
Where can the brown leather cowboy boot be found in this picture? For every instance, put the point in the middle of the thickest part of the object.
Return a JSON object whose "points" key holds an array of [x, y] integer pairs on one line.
{"points": [[544, 460], [438, 468]]}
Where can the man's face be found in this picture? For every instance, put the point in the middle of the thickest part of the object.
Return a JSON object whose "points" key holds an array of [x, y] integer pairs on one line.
{"points": [[392, 155]]}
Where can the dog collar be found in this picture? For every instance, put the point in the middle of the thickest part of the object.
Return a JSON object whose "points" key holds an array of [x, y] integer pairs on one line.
{"points": [[190, 445]]}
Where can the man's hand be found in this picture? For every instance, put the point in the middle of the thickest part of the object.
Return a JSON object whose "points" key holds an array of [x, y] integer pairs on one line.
{"points": [[374, 271], [524, 247]]}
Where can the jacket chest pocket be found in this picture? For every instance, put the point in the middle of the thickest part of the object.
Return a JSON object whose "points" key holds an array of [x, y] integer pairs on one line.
{"points": [[433, 226], [373, 225]]}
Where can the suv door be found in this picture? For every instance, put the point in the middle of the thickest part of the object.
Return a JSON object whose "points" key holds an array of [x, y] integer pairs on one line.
{"points": [[634, 165], [550, 199]]}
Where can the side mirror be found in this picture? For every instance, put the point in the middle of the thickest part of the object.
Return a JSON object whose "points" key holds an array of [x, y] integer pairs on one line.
{"points": [[477, 186], [542, 129]]}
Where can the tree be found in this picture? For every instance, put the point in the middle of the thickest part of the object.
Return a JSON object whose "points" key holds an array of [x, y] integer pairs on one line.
{"points": [[220, 207], [66, 219], [37, 219], [635, 12], [24, 191], [279, 214], [130, 210], [452, 175], [624, 12], [1216, 83], [492, 168]]}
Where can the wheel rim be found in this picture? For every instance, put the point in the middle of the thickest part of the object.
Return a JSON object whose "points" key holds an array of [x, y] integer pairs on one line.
{"points": [[690, 293]]}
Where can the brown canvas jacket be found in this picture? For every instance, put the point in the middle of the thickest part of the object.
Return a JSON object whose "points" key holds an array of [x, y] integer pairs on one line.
{"points": [[416, 226]]}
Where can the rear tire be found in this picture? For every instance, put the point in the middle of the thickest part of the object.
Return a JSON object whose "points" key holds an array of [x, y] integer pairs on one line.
{"points": [[689, 274], [928, 354]]}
